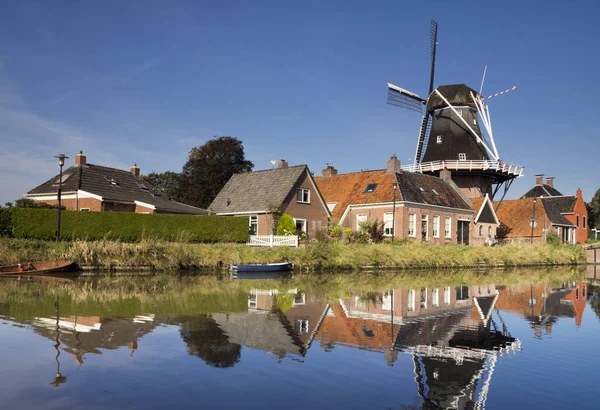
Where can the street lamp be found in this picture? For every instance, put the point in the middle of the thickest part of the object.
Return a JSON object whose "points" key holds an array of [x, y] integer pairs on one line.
{"points": [[533, 219], [61, 162], [394, 214]]}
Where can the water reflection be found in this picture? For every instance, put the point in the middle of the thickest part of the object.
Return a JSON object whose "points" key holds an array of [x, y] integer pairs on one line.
{"points": [[453, 336]]}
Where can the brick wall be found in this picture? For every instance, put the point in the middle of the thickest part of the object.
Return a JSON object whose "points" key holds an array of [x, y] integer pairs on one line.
{"points": [[92, 204], [579, 211], [314, 212]]}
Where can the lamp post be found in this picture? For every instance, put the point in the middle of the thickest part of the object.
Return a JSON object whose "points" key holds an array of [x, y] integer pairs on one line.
{"points": [[61, 162], [533, 219], [394, 214]]}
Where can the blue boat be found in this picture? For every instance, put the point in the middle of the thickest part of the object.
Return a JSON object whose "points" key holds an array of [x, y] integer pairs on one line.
{"points": [[264, 267]]}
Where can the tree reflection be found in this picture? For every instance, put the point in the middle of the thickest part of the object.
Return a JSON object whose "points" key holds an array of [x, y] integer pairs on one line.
{"points": [[205, 339]]}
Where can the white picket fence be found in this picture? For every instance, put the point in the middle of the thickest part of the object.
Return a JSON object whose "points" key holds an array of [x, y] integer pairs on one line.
{"points": [[273, 240]]}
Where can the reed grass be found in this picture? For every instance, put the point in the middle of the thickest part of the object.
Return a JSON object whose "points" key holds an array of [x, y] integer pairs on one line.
{"points": [[168, 256]]}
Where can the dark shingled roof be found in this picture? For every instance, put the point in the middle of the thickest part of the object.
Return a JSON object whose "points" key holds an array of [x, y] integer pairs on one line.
{"points": [[558, 205], [257, 191], [113, 185], [419, 188], [541, 190]]}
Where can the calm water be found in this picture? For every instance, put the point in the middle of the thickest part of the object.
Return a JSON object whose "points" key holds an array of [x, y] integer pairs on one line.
{"points": [[496, 346]]}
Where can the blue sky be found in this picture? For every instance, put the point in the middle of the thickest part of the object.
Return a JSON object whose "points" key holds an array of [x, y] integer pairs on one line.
{"points": [[304, 81]]}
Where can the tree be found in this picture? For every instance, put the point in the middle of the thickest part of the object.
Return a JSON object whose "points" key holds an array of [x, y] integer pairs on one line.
{"points": [[286, 225], [208, 169], [594, 210], [166, 182]]}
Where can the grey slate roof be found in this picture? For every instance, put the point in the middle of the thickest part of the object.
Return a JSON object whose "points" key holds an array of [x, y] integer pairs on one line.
{"points": [[419, 188], [257, 191], [113, 185], [541, 190], [558, 205]]}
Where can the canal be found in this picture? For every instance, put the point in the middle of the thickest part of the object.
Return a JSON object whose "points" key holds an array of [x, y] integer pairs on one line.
{"points": [[433, 340]]}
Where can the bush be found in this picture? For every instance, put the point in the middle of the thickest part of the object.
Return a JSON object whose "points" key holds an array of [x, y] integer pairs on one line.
{"points": [[5, 222], [372, 230], [553, 239], [286, 225], [128, 227]]}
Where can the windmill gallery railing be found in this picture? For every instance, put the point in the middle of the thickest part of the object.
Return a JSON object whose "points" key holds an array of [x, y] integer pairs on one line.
{"points": [[273, 240], [498, 166]]}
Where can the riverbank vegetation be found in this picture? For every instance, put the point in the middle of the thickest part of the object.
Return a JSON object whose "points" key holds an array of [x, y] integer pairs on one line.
{"points": [[170, 256]]}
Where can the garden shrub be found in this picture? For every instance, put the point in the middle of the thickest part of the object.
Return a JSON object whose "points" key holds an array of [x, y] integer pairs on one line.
{"points": [[127, 226], [5, 222], [553, 239], [286, 225]]}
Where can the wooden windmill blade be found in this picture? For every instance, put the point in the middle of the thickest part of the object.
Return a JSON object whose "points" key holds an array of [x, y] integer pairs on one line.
{"points": [[426, 121], [405, 99]]}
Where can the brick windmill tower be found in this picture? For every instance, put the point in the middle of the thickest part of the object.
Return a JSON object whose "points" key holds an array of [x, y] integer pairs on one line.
{"points": [[450, 136]]}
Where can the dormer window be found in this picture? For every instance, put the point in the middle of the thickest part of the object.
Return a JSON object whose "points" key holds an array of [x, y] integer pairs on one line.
{"points": [[64, 178], [421, 188], [113, 182], [435, 192], [143, 186], [462, 156], [370, 188]]}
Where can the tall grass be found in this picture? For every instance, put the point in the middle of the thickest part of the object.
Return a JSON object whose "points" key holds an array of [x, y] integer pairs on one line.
{"points": [[168, 256]]}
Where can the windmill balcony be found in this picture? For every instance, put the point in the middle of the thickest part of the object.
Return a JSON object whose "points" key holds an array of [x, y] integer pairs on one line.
{"points": [[483, 165]]}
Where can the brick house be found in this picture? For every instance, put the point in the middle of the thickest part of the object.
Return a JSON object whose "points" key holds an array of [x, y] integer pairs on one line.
{"points": [[427, 208], [89, 187], [263, 196], [572, 208]]}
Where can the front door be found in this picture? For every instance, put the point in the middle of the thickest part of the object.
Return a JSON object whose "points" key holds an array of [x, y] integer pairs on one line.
{"points": [[462, 232], [424, 227]]}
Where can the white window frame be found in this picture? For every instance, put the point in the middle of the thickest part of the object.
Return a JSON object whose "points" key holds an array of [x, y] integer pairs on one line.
{"points": [[490, 231], [410, 305], [386, 301], [425, 218], [388, 224], [304, 195], [360, 218], [436, 226], [462, 156], [423, 301], [577, 220], [439, 139], [412, 225], [301, 326], [435, 297], [304, 224], [481, 230], [447, 296], [584, 222], [255, 217], [448, 227]]}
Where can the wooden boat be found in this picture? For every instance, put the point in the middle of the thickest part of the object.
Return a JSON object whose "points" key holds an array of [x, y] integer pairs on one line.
{"points": [[45, 268], [264, 267]]}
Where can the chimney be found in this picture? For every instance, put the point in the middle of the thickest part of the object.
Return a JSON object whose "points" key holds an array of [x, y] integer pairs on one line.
{"points": [[329, 171], [446, 175], [80, 159], [135, 170], [539, 179], [282, 164], [393, 165], [550, 181]]}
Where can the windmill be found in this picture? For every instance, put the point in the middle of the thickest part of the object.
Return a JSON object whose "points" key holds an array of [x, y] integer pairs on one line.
{"points": [[450, 137]]}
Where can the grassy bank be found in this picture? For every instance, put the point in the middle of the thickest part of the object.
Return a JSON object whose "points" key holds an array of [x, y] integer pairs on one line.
{"points": [[170, 256]]}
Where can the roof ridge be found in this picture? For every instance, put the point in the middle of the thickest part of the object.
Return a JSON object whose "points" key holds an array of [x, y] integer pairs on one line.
{"points": [[354, 172], [272, 169]]}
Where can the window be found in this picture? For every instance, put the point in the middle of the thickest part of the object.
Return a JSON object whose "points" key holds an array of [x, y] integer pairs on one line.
{"points": [[448, 227], [252, 300], [435, 297], [474, 121], [424, 227], [435, 192], [301, 326], [64, 178], [446, 296], [299, 299], [584, 222], [388, 224], [436, 226], [489, 231], [360, 219], [577, 220], [411, 301], [439, 139], [412, 225], [386, 301], [480, 230], [303, 196], [370, 188], [583, 291], [459, 112], [423, 298], [253, 225], [462, 156], [300, 225], [462, 292]]}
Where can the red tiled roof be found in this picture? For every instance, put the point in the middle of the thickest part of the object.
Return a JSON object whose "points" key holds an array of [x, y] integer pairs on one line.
{"points": [[514, 216]]}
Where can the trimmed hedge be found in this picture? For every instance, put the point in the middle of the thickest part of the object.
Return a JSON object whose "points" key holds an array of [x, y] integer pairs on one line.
{"points": [[128, 226], [5, 221]]}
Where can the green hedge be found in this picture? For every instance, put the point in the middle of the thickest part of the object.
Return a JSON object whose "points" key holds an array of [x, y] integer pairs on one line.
{"points": [[127, 226], [5, 221]]}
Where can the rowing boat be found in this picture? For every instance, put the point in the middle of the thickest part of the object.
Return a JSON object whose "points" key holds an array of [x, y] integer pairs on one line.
{"points": [[262, 267], [39, 268]]}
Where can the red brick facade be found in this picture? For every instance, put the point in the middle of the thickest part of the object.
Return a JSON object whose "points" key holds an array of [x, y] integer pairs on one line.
{"points": [[579, 218]]}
